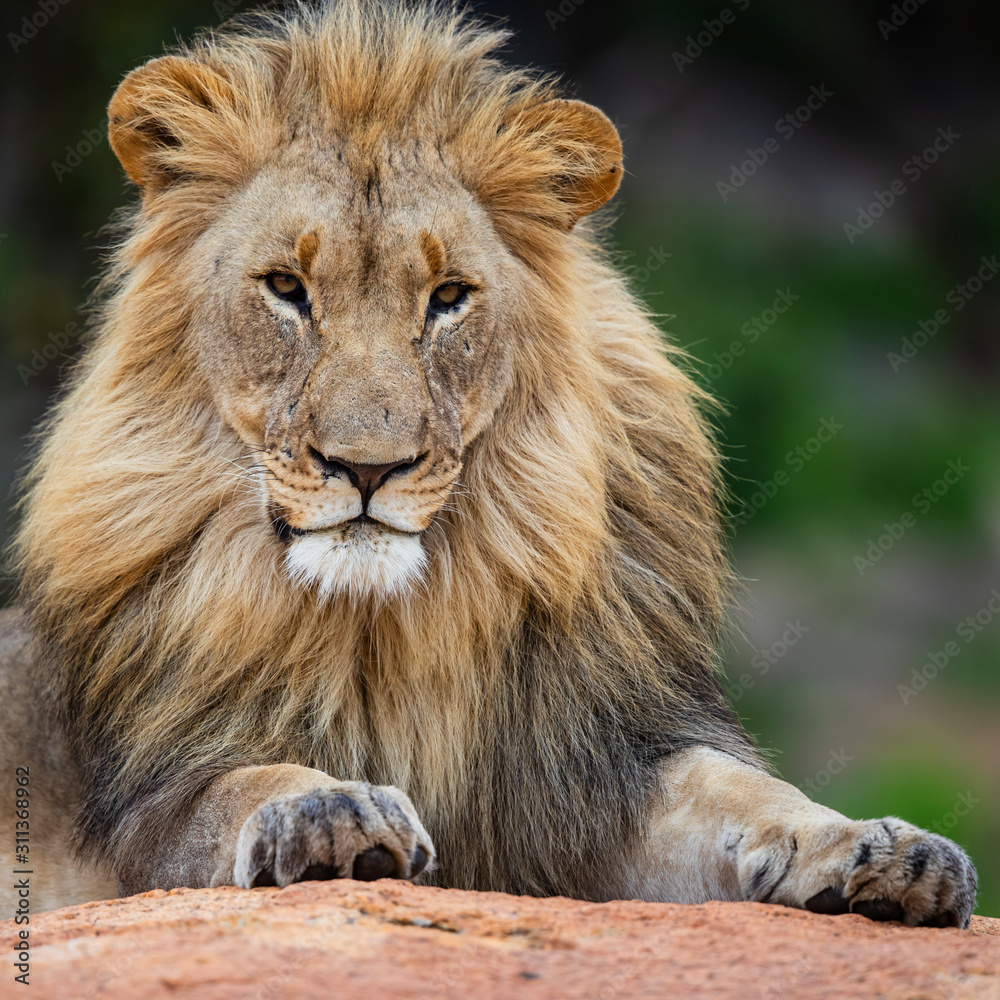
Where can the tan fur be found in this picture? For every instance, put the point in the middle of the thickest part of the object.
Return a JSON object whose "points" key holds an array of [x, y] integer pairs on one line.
{"points": [[30, 739], [723, 830], [550, 640], [306, 250]]}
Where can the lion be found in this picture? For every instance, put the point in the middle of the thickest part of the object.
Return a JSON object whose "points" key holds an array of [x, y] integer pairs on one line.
{"points": [[377, 533]]}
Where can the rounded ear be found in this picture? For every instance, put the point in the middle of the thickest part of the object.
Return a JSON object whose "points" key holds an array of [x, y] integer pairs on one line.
{"points": [[586, 150], [157, 109]]}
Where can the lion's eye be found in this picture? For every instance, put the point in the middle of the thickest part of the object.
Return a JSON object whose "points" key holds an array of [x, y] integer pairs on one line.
{"points": [[286, 286], [448, 296]]}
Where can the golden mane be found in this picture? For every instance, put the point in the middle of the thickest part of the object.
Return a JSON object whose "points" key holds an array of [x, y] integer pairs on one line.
{"points": [[565, 631]]}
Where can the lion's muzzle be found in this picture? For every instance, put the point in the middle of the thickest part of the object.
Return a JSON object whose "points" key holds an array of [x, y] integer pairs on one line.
{"points": [[352, 527]]}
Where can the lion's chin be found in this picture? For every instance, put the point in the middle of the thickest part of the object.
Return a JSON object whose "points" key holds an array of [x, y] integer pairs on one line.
{"points": [[361, 564]]}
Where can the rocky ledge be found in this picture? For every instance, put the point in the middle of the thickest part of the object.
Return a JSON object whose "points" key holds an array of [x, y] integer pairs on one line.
{"points": [[393, 939]]}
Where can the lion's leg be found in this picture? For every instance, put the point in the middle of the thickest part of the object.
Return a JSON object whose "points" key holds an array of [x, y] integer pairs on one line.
{"points": [[252, 826], [724, 830], [34, 757], [283, 823]]}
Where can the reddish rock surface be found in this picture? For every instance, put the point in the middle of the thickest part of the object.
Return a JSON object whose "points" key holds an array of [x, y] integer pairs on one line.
{"points": [[392, 939]]}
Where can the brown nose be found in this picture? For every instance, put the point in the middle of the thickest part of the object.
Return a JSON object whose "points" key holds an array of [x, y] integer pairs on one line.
{"points": [[366, 479]]}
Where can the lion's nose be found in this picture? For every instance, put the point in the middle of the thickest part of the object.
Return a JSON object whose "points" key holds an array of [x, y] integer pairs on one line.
{"points": [[366, 479]]}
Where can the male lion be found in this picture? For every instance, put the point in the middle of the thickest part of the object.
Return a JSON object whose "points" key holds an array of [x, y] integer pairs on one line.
{"points": [[377, 533]]}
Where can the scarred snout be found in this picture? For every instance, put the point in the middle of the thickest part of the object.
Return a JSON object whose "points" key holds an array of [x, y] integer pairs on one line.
{"points": [[350, 495]]}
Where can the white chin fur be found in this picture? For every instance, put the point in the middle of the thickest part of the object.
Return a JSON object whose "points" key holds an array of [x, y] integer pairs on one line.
{"points": [[358, 562]]}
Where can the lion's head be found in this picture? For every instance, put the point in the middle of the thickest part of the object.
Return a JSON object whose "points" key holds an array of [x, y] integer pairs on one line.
{"points": [[354, 308]]}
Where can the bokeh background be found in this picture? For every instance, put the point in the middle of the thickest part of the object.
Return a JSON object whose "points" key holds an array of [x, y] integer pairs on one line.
{"points": [[841, 410]]}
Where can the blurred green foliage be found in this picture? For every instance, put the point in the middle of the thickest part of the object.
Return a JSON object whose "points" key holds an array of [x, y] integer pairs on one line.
{"points": [[827, 357]]}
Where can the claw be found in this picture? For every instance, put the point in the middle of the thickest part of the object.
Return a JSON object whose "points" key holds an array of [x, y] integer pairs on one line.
{"points": [[830, 901], [419, 862], [263, 877], [879, 909], [319, 873], [376, 862]]}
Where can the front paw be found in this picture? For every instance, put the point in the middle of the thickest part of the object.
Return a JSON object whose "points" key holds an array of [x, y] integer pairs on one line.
{"points": [[896, 871], [348, 829]]}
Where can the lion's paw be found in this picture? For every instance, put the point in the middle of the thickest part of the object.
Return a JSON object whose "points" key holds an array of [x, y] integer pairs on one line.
{"points": [[897, 871], [884, 869], [348, 829]]}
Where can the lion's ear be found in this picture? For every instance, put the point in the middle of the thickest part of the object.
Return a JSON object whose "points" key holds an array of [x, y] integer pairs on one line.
{"points": [[585, 154], [160, 115]]}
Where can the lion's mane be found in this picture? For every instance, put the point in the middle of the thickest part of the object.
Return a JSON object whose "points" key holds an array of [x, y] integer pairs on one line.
{"points": [[563, 640]]}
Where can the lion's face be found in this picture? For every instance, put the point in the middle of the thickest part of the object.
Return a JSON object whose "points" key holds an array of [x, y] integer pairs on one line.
{"points": [[351, 331], [363, 280]]}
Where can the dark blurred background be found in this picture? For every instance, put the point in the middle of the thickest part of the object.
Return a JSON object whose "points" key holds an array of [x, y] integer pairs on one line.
{"points": [[859, 366]]}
